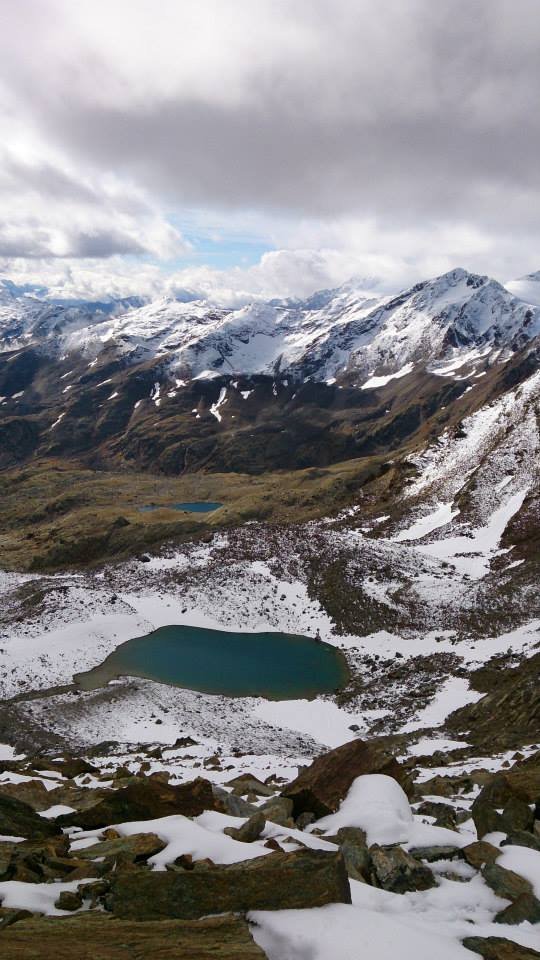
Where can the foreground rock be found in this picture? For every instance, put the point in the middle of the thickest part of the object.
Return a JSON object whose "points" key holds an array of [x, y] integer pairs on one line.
{"points": [[99, 937], [279, 881], [396, 871], [499, 807], [145, 800], [505, 883], [322, 786], [18, 819], [498, 948]]}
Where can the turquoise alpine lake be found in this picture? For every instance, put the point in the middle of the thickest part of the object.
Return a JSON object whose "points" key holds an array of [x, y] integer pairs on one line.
{"points": [[198, 506], [277, 666]]}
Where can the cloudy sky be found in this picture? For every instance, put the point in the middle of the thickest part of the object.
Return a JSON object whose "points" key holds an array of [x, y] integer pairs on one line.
{"points": [[266, 147]]}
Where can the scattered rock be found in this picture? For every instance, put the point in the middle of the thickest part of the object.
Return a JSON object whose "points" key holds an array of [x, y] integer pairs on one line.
{"points": [[498, 948], [480, 852], [249, 831], [68, 900], [278, 810], [145, 799], [525, 908], [396, 871], [432, 854], [505, 883], [133, 849], [352, 842]]}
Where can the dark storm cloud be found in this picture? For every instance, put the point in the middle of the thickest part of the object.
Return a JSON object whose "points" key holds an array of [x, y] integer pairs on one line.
{"points": [[403, 107]]}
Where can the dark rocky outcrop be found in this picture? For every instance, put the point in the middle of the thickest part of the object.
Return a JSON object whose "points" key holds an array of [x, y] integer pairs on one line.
{"points": [[396, 871], [500, 805], [18, 819], [145, 799], [306, 878], [325, 783]]}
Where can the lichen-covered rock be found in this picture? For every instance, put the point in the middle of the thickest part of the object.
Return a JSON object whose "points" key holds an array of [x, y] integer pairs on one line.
{"points": [[134, 849], [498, 948], [352, 842], [97, 936], [279, 881], [522, 838], [249, 831], [279, 810], [505, 883]]}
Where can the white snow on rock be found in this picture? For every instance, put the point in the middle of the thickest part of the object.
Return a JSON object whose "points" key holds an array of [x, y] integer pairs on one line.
{"points": [[381, 381], [454, 693], [442, 515], [378, 805], [321, 719]]}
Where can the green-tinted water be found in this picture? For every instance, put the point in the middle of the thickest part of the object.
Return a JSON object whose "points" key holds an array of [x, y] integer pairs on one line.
{"points": [[278, 666]]}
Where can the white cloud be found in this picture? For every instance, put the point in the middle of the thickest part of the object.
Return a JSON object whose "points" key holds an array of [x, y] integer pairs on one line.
{"points": [[390, 140]]}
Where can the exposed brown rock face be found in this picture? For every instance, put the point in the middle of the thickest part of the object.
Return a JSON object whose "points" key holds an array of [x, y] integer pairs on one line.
{"points": [[145, 800], [325, 783], [306, 878], [99, 937]]}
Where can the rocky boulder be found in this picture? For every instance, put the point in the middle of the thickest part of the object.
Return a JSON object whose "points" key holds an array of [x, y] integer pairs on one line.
{"points": [[18, 819], [322, 786], [145, 799], [352, 842], [396, 871], [505, 883], [526, 908], [279, 881], [498, 948], [134, 849], [249, 831]]}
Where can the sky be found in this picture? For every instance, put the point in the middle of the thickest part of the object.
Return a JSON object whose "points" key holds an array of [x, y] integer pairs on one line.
{"points": [[263, 148]]}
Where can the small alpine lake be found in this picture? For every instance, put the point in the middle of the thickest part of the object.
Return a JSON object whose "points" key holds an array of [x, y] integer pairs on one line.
{"points": [[277, 666], [195, 506]]}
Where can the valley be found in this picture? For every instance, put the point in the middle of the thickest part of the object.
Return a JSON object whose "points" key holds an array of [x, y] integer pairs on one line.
{"points": [[372, 468]]}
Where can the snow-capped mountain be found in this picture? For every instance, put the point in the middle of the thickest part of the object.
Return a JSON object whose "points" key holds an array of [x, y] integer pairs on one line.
{"points": [[343, 330], [347, 330]]}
